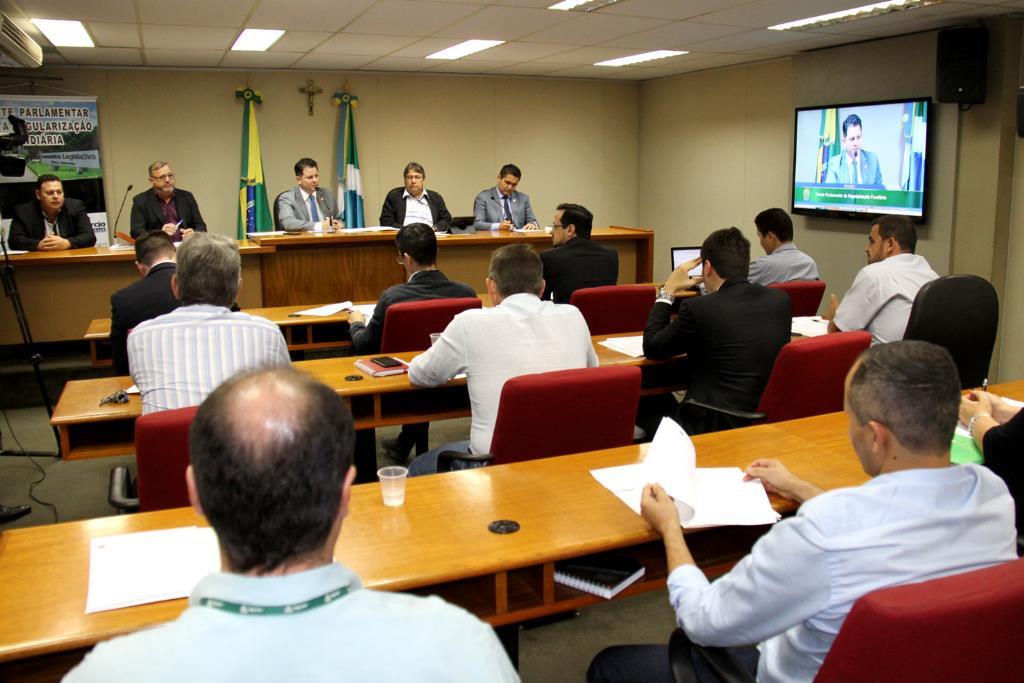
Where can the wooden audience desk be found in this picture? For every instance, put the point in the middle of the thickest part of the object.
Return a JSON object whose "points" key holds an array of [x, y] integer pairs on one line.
{"points": [[317, 267], [89, 430], [438, 543]]}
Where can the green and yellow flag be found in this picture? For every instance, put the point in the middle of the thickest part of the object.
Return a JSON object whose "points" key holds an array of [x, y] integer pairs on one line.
{"points": [[253, 209]]}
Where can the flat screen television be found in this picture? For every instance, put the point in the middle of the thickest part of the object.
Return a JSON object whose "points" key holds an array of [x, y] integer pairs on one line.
{"points": [[861, 160]]}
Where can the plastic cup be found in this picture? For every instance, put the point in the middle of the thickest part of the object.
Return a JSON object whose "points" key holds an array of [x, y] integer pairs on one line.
{"points": [[392, 485], [434, 336]]}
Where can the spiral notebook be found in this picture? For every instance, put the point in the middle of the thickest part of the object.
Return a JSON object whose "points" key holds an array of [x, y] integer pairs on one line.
{"points": [[603, 576]]}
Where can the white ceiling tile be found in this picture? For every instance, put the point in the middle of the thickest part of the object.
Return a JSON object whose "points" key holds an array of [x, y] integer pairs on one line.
{"points": [[299, 41], [56, 58], [165, 57], [335, 62], [310, 15], [763, 13], [504, 23], [185, 12], [179, 38], [114, 35], [540, 4], [674, 35], [397, 64], [871, 25], [592, 72], [409, 18], [527, 51], [748, 41], [101, 55], [589, 29], [83, 10], [588, 55], [465, 66], [359, 44], [532, 69], [260, 60], [669, 9], [424, 47]]}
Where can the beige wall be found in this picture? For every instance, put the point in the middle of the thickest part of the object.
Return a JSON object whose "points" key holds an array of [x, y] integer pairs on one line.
{"points": [[575, 140]]}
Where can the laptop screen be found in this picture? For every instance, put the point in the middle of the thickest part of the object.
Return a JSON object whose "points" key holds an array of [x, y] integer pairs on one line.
{"points": [[681, 255]]}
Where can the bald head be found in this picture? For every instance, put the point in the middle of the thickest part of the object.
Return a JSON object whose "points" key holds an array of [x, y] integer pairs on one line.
{"points": [[270, 450]]}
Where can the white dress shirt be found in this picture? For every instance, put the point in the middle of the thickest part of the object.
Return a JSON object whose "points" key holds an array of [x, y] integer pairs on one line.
{"points": [[882, 295], [417, 210], [795, 588], [522, 335]]}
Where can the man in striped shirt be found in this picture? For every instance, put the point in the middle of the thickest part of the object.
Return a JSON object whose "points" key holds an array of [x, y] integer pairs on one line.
{"points": [[178, 358]]}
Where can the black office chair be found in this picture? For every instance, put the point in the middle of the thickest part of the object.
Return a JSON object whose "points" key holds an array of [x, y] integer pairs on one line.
{"points": [[961, 314], [462, 225], [277, 210]]}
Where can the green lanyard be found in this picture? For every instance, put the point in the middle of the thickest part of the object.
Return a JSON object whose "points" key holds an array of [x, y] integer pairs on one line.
{"points": [[275, 610]]}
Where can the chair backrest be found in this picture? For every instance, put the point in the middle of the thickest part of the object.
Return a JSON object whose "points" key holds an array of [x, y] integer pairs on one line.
{"points": [[614, 308], [277, 210], [804, 295], [566, 411], [808, 376], [462, 222], [964, 627], [960, 313], [161, 455], [408, 325]]}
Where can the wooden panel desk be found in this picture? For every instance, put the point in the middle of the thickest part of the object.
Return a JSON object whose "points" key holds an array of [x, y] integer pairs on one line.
{"points": [[89, 430], [437, 543], [63, 291], [320, 267]]}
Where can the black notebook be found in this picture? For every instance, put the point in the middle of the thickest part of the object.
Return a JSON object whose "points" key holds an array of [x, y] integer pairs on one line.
{"points": [[602, 575]]}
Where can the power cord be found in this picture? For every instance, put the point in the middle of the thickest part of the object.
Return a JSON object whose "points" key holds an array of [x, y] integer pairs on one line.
{"points": [[42, 472]]}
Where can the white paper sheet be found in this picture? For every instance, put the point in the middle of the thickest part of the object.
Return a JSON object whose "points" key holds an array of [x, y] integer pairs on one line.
{"points": [[703, 496], [809, 326], [121, 247], [133, 389], [631, 346], [326, 310], [149, 566]]}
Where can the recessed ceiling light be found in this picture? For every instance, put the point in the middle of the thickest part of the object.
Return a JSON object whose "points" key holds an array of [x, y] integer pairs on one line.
{"points": [[463, 49], [855, 13], [257, 39], [644, 57], [582, 5], [63, 33]]}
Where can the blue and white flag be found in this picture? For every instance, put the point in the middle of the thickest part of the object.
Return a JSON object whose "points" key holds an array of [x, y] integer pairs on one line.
{"points": [[350, 184]]}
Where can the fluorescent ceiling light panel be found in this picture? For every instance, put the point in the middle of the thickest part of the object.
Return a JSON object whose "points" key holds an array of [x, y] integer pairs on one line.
{"points": [[462, 49], [257, 39], [64, 33], [644, 57], [582, 5], [854, 14]]}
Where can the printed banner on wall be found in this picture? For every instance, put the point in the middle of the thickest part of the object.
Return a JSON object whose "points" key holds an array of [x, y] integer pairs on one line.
{"points": [[63, 140]]}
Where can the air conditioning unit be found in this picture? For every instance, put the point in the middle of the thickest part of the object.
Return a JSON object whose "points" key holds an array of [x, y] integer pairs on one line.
{"points": [[17, 49]]}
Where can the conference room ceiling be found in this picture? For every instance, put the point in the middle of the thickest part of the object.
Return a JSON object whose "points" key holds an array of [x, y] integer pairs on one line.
{"points": [[396, 35]]}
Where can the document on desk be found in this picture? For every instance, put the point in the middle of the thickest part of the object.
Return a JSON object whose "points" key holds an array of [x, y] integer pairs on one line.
{"points": [[631, 346], [964, 450], [365, 309], [715, 496], [809, 326], [148, 566], [326, 310]]}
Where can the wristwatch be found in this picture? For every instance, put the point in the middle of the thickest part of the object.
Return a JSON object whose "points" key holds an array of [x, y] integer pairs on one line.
{"points": [[665, 297]]}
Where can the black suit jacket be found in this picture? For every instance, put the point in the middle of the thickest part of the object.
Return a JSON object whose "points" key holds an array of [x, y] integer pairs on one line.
{"points": [[577, 264], [148, 213], [1002, 456], [27, 228], [142, 300], [732, 338], [427, 284], [392, 214]]}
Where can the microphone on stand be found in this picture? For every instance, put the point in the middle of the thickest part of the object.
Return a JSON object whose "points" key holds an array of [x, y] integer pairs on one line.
{"points": [[325, 217], [123, 200]]}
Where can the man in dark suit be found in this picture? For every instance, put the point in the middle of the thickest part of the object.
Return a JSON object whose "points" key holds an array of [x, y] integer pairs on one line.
{"points": [[417, 249], [165, 207], [415, 204], [52, 222], [145, 299], [732, 335], [576, 262]]}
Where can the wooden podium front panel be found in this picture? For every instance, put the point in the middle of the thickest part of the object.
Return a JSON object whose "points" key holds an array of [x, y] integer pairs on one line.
{"points": [[311, 273]]}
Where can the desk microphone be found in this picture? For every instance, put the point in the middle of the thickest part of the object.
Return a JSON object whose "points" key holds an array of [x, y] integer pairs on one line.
{"points": [[123, 200], [325, 217]]}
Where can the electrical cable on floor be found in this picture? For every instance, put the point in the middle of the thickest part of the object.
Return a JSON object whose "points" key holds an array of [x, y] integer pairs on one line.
{"points": [[37, 482]]}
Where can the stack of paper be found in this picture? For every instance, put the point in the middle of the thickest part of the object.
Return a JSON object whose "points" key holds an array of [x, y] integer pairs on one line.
{"points": [[704, 497], [326, 310], [809, 326], [149, 566], [631, 346]]}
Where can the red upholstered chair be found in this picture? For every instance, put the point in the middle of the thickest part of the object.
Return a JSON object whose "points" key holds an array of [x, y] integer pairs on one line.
{"points": [[804, 295], [615, 308], [408, 325], [556, 413], [964, 627], [161, 456]]}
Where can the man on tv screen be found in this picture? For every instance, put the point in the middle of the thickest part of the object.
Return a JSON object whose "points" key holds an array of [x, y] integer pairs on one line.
{"points": [[854, 166]]}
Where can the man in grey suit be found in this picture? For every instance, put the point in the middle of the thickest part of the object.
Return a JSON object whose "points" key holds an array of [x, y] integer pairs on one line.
{"points": [[502, 207], [854, 166], [308, 206]]}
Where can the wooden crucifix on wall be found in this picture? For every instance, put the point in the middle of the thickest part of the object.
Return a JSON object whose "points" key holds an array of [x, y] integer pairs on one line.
{"points": [[310, 91]]}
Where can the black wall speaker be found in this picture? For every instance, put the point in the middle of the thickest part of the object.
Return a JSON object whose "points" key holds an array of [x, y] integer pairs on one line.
{"points": [[961, 65]]}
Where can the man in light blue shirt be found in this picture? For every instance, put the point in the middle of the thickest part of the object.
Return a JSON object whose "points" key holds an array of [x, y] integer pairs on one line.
{"points": [[271, 470], [918, 518], [782, 261]]}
